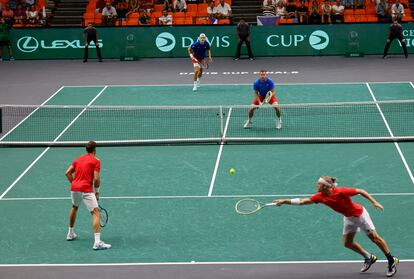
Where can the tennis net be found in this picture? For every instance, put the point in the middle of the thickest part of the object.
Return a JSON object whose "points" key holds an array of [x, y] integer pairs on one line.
{"points": [[385, 121]]}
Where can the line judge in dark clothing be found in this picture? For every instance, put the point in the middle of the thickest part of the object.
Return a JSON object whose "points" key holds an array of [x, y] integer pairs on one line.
{"points": [[396, 32], [243, 34], [91, 35]]}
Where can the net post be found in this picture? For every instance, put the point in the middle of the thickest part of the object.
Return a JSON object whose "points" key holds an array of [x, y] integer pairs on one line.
{"points": [[221, 121]]}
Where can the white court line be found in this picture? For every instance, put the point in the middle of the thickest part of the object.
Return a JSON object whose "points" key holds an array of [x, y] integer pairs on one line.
{"points": [[47, 100], [193, 197], [198, 263], [213, 178], [397, 146], [44, 151], [233, 84]]}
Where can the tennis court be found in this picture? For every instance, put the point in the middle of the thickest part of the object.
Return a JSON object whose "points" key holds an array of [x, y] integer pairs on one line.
{"points": [[175, 203]]}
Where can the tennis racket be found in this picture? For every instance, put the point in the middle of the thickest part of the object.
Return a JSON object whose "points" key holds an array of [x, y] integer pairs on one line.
{"points": [[269, 96], [104, 216], [250, 206], [203, 64]]}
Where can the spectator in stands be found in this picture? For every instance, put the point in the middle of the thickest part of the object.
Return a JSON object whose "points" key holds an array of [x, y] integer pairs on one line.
{"points": [[338, 12], [109, 15], [165, 19], [5, 39], [180, 6], [12, 4], [100, 5], [303, 13], [167, 6], [8, 15], [134, 6], [268, 8], [397, 10], [383, 11], [20, 15], [212, 12], [91, 35], [32, 15], [291, 10], [326, 12], [243, 35], [314, 16], [122, 9], [30, 3], [144, 19], [280, 10], [223, 10], [147, 5]]}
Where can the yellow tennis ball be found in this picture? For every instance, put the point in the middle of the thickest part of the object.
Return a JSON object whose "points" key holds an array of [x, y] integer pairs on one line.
{"points": [[232, 171]]}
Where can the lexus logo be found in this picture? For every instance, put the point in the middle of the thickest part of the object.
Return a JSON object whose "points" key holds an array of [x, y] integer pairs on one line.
{"points": [[27, 44]]}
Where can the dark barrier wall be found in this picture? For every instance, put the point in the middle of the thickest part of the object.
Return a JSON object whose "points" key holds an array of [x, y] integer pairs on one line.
{"points": [[66, 43]]}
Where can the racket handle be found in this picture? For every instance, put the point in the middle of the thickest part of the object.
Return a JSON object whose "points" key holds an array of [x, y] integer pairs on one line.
{"points": [[270, 204]]}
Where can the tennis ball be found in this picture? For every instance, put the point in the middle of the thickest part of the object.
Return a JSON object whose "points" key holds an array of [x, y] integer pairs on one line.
{"points": [[232, 171]]}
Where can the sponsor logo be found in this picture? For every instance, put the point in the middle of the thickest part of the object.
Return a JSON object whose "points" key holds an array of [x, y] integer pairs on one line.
{"points": [[165, 42], [31, 44], [319, 40], [27, 44], [409, 37]]}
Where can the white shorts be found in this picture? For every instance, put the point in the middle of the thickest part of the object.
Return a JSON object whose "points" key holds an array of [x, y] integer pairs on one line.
{"points": [[353, 224], [89, 199]]}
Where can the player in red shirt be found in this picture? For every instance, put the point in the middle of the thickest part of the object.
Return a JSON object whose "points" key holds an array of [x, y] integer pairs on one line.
{"points": [[355, 217], [86, 181]]}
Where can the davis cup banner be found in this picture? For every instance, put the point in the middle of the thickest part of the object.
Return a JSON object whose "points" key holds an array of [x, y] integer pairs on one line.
{"points": [[56, 43]]}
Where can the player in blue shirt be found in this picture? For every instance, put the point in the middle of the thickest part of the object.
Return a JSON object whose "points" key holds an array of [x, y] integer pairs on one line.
{"points": [[197, 53], [264, 91]]}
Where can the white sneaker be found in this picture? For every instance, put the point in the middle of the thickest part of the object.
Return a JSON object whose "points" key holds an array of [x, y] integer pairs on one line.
{"points": [[392, 269], [101, 246], [195, 87], [71, 236], [279, 124], [247, 124]]}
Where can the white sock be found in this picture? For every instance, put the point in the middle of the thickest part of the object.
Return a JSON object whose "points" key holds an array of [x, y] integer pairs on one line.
{"points": [[97, 237], [71, 230], [198, 79], [367, 255], [195, 82]]}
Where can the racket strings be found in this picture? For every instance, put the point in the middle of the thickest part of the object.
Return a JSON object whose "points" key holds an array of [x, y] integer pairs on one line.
{"points": [[247, 206]]}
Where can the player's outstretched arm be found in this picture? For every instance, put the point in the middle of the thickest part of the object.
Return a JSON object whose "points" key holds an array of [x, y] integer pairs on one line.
{"points": [[365, 194], [296, 201], [209, 55]]}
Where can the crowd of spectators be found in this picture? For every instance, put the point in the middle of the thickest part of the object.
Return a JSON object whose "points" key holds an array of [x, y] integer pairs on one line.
{"points": [[111, 12], [328, 11], [21, 12]]}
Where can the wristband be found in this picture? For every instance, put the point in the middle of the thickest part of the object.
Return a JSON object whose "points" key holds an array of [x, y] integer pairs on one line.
{"points": [[295, 201], [191, 56], [96, 189]]}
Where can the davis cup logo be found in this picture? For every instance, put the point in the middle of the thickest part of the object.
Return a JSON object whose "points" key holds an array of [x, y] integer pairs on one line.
{"points": [[319, 40], [27, 44], [165, 42]]}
